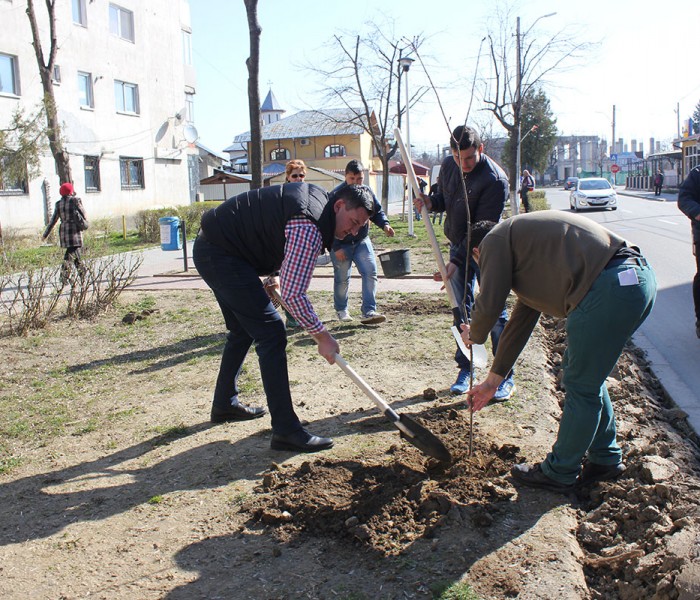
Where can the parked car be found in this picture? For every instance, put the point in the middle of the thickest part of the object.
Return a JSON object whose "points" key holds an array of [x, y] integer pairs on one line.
{"points": [[593, 192], [570, 183]]}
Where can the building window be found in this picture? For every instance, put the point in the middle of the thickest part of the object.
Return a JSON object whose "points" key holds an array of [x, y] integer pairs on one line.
{"points": [[279, 154], [85, 96], [121, 22], [186, 47], [334, 150], [189, 108], [126, 97], [56, 75], [92, 173], [79, 14], [11, 184], [9, 76], [131, 173]]}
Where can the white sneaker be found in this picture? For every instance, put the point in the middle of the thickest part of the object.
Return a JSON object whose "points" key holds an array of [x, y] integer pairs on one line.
{"points": [[372, 318], [344, 315]]}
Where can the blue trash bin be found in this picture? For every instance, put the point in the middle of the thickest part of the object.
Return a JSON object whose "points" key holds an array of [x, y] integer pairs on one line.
{"points": [[170, 236]]}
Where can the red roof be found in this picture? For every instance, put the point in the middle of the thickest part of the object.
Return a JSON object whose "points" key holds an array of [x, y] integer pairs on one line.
{"points": [[399, 167]]}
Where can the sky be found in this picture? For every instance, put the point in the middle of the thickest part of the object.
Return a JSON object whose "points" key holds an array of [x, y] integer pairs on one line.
{"points": [[643, 61]]}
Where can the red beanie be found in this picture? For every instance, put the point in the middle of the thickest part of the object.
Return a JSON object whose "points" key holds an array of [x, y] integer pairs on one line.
{"points": [[66, 190]]}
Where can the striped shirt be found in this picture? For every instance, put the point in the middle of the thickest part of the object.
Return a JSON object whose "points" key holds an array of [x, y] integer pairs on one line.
{"points": [[304, 244]]}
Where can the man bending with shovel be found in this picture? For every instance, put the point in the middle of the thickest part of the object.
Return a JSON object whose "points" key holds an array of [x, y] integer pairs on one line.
{"points": [[567, 266], [258, 233]]}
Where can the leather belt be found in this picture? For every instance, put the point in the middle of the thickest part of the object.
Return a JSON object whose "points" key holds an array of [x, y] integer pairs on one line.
{"points": [[617, 261]]}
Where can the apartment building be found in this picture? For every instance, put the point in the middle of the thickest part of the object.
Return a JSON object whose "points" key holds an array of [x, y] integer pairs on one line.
{"points": [[124, 84]]}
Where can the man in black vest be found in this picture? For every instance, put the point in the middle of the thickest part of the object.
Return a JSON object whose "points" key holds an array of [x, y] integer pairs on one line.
{"points": [[275, 229]]}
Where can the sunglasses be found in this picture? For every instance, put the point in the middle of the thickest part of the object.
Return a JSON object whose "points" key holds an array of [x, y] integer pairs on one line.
{"points": [[298, 176]]}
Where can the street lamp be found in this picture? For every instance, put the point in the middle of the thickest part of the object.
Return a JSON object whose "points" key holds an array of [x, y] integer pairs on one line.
{"points": [[405, 64], [514, 203]]}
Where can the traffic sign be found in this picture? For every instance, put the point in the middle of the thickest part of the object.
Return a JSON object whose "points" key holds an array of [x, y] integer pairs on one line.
{"points": [[615, 169], [613, 157]]}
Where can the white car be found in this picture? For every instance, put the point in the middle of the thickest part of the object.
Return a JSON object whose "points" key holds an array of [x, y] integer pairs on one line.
{"points": [[593, 192]]}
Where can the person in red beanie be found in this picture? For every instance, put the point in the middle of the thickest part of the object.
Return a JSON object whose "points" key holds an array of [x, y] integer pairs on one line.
{"points": [[73, 222]]}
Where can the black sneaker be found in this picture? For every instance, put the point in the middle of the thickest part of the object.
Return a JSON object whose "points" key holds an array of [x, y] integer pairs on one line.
{"points": [[592, 473], [532, 475]]}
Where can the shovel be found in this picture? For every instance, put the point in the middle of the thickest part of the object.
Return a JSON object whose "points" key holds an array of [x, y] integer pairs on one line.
{"points": [[478, 354], [411, 431]]}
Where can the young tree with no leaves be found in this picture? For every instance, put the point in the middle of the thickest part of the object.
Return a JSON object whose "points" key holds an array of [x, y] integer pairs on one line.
{"points": [[540, 57], [365, 77], [253, 64], [46, 67]]}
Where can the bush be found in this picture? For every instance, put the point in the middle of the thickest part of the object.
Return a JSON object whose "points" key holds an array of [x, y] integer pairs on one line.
{"points": [[147, 220]]}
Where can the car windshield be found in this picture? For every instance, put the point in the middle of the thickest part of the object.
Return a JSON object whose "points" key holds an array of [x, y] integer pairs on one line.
{"points": [[594, 184]]}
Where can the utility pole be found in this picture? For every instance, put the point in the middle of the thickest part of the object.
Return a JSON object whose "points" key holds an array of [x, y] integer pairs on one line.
{"points": [[613, 143]]}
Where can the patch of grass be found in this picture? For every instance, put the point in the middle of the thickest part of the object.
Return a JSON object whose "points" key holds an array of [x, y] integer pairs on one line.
{"points": [[454, 591], [168, 434], [89, 427], [9, 464], [156, 499]]}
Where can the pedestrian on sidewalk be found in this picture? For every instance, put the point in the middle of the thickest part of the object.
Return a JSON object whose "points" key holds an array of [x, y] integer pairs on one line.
{"points": [[689, 203], [658, 182], [566, 266], [69, 209], [357, 248], [527, 185], [281, 229], [486, 185]]}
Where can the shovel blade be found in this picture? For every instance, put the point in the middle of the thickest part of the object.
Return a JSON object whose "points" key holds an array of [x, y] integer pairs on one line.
{"points": [[425, 441]]}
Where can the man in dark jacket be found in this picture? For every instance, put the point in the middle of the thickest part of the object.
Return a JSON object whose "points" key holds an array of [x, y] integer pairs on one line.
{"points": [[486, 187], [275, 229], [357, 249], [689, 203]]}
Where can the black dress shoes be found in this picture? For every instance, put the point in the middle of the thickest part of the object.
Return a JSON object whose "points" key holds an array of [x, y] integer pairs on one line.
{"points": [[300, 441], [593, 473], [236, 412]]}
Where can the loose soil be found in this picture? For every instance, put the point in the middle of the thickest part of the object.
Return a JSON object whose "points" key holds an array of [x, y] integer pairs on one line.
{"points": [[115, 485]]}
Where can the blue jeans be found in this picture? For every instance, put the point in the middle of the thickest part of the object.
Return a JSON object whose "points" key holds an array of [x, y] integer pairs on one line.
{"points": [[597, 331], [362, 254], [250, 319], [458, 280]]}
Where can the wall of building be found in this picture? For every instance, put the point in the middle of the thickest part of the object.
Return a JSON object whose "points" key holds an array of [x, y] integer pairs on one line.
{"points": [[154, 61]]}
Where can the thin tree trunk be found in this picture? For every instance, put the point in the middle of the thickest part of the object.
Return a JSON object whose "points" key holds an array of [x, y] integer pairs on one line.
{"points": [[253, 64], [53, 126]]}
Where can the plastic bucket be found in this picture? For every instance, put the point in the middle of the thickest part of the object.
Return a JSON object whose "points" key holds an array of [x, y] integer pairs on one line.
{"points": [[170, 236], [395, 263]]}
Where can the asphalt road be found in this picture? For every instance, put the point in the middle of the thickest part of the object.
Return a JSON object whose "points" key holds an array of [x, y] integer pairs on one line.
{"points": [[668, 335]]}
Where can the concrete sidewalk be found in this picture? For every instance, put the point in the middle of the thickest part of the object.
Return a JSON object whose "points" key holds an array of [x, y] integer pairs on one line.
{"points": [[165, 270], [664, 197]]}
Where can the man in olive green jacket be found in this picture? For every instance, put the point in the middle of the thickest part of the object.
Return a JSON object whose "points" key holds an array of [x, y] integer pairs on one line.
{"points": [[568, 266]]}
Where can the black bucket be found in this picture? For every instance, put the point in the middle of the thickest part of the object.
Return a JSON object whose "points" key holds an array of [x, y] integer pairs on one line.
{"points": [[395, 263]]}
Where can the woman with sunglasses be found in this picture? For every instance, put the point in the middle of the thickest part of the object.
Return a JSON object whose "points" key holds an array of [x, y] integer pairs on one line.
{"points": [[295, 171]]}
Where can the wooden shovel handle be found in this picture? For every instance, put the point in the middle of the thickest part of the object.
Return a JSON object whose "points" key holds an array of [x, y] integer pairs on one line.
{"points": [[424, 213]]}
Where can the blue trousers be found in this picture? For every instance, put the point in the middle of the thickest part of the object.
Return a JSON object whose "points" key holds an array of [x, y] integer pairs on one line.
{"points": [[362, 254], [250, 319], [465, 280], [597, 331]]}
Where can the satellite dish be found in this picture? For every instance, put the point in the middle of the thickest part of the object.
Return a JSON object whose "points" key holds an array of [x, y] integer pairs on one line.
{"points": [[180, 115], [190, 133], [160, 134]]}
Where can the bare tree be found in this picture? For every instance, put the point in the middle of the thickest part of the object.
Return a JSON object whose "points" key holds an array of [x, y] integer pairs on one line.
{"points": [[365, 78], [537, 59], [253, 64], [46, 68]]}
